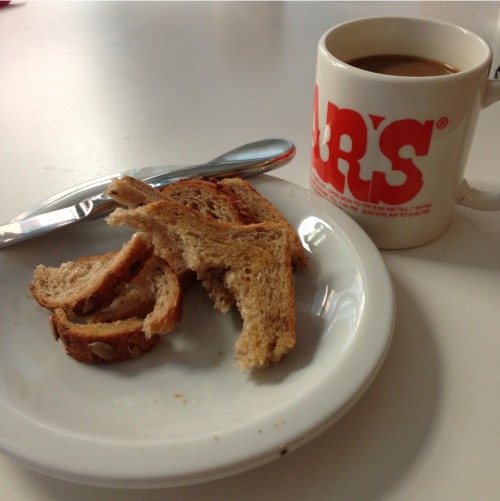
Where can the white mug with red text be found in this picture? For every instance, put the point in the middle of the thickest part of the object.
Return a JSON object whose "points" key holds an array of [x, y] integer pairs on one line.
{"points": [[391, 150]]}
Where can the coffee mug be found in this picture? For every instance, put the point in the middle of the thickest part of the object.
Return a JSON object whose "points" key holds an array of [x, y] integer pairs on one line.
{"points": [[390, 145]]}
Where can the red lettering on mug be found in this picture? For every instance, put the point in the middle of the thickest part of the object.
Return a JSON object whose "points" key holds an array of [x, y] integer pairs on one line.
{"points": [[376, 120], [344, 122]]}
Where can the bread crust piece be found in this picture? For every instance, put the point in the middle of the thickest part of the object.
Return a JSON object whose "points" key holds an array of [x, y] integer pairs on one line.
{"points": [[92, 340], [88, 284], [167, 310], [101, 343], [257, 260]]}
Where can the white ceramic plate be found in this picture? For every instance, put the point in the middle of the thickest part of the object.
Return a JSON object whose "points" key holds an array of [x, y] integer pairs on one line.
{"points": [[184, 413]]}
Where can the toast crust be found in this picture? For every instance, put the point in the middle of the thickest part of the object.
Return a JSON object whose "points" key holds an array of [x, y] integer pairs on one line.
{"points": [[101, 343]]}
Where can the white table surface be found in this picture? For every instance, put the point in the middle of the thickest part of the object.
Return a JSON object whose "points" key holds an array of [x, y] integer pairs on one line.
{"points": [[88, 89]]}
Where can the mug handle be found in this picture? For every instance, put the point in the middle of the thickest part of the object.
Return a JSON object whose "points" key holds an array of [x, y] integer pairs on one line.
{"points": [[472, 197]]}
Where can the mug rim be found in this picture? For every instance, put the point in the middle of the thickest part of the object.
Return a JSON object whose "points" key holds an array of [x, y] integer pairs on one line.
{"points": [[484, 62]]}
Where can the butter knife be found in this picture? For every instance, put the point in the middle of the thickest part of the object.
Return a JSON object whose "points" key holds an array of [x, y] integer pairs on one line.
{"points": [[244, 161]]}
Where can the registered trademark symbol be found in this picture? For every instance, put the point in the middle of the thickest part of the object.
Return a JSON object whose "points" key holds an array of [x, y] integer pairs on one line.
{"points": [[442, 123]]}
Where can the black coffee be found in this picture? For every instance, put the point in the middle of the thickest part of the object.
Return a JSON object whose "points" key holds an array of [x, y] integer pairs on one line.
{"points": [[402, 65]]}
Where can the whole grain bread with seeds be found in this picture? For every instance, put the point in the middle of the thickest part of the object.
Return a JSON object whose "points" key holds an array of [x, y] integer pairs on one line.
{"points": [[132, 317]]}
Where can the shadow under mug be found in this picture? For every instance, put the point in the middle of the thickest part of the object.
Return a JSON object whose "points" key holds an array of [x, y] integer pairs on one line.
{"points": [[391, 150]]}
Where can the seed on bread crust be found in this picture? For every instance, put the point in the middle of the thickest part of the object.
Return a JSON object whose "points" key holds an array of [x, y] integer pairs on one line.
{"points": [[102, 350], [89, 305], [134, 351]]}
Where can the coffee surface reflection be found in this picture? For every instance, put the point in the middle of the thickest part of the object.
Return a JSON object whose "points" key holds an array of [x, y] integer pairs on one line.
{"points": [[402, 65]]}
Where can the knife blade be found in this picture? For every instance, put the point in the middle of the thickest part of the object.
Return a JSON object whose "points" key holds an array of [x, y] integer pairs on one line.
{"points": [[100, 205], [31, 227]]}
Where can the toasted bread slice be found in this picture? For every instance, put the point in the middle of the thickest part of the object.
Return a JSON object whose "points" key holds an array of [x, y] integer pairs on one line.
{"points": [[88, 284], [263, 210], [257, 260]]}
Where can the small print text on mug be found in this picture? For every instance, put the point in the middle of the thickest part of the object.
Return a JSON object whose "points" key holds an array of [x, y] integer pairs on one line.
{"points": [[367, 208]]}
